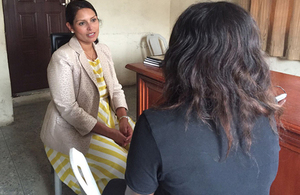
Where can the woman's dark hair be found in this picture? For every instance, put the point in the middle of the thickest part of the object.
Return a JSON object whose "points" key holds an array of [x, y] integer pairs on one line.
{"points": [[74, 6], [215, 64]]}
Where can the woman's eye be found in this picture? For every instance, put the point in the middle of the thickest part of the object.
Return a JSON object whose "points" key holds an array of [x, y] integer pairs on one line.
{"points": [[94, 19], [81, 23]]}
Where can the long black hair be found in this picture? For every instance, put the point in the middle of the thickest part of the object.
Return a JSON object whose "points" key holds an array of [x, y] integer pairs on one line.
{"points": [[215, 65]]}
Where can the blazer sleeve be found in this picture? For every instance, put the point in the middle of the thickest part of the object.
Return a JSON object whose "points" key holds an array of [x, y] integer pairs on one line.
{"points": [[118, 96], [61, 83]]}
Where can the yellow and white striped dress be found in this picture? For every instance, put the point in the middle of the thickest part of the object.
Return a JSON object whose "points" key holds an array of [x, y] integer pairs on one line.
{"points": [[107, 160]]}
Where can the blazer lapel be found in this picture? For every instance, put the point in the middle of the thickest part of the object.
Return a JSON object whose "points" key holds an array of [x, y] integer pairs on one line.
{"points": [[87, 67], [105, 68], [74, 44]]}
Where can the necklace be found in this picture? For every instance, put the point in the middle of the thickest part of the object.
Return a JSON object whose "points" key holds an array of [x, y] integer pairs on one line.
{"points": [[90, 57]]}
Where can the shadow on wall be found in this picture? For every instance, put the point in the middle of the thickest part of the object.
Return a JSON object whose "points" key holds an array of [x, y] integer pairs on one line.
{"points": [[144, 48]]}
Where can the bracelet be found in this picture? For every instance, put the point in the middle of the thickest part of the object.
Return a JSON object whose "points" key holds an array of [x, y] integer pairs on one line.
{"points": [[124, 117]]}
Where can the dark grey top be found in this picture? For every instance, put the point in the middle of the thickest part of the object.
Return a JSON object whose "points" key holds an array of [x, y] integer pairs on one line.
{"points": [[192, 160]]}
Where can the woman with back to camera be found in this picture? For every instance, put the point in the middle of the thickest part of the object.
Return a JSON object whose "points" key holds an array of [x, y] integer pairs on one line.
{"points": [[215, 133], [88, 106]]}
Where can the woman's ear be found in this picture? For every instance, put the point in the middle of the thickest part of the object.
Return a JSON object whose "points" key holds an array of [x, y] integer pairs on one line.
{"points": [[69, 27]]}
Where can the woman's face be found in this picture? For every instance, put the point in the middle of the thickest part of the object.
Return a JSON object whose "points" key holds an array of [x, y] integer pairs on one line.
{"points": [[85, 26]]}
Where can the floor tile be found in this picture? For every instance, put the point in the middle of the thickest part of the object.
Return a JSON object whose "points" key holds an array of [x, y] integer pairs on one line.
{"points": [[10, 182]]}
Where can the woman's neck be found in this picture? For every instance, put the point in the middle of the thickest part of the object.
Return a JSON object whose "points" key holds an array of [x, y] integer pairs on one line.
{"points": [[87, 47], [89, 51]]}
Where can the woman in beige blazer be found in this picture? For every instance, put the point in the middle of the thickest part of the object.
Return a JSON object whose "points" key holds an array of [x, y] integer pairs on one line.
{"points": [[79, 74]]}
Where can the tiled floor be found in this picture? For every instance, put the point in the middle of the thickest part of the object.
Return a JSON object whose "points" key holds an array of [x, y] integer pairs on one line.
{"points": [[24, 167]]}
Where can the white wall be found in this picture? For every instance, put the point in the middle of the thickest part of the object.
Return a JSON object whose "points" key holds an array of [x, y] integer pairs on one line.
{"points": [[6, 109], [178, 6], [125, 25]]}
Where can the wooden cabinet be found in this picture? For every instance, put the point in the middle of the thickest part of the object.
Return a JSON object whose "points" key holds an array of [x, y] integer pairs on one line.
{"points": [[288, 177], [150, 83], [149, 93]]}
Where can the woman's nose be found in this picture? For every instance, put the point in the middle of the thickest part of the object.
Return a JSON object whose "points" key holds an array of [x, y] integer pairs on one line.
{"points": [[89, 26]]}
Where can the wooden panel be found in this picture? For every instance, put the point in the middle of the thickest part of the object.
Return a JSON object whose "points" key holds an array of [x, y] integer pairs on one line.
{"points": [[294, 38], [146, 70], [260, 11], [28, 25], [287, 180], [59, 1], [54, 21], [279, 27], [33, 1], [149, 93], [27, 57], [288, 177], [149, 85]]}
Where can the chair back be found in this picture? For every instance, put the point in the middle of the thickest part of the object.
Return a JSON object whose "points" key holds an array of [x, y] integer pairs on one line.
{"points": [[59, 39], [157, 44], [86, 180]]}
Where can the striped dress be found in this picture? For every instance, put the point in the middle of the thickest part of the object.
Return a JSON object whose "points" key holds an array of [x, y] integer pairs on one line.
{"points": [[107, 160]]}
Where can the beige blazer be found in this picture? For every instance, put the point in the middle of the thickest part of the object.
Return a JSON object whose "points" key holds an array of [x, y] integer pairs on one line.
{"points": [[72, 111]]}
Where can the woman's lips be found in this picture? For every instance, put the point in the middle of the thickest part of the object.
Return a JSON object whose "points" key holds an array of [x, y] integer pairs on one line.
{"points": [[91, 34]]}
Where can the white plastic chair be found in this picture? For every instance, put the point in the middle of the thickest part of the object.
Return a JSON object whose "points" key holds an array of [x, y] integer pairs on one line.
{"points": [[86, 180], [157, 44]]}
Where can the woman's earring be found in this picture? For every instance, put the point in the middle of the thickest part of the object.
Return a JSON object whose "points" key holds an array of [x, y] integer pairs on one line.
{"points": [[72, 31]]}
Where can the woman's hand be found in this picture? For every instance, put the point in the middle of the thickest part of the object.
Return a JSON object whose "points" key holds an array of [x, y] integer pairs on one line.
{"points": [[119, 138], [114, 134], [125, 128]]}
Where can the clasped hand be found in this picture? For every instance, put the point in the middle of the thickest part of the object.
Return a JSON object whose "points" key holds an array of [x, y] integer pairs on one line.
{"points": [[124, 134]]}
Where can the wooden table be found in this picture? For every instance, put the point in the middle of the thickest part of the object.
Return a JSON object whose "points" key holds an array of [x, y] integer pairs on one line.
{"points": [[150, 82], [288, 176]]}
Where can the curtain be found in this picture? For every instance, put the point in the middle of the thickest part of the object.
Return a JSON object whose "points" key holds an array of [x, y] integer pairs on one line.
{"points": [[279, 24]]}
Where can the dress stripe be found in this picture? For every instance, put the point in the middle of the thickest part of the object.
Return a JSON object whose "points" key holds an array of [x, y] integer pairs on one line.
{"points": [[108, 151], [108, 143]]}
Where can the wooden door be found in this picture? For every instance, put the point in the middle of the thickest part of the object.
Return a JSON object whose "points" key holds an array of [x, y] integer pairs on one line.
{"points": [[28, 25]]}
